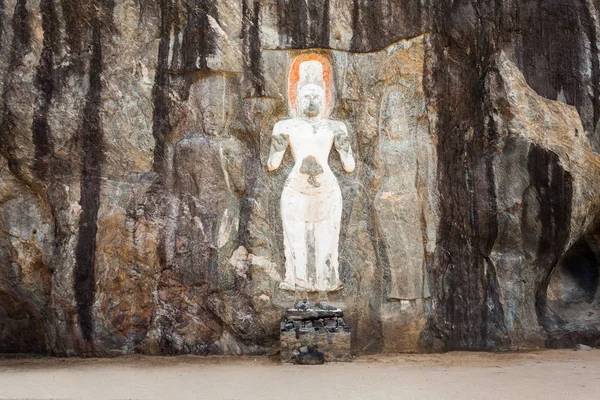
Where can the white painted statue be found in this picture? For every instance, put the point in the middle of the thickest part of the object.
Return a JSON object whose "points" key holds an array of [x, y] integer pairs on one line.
{"points": [[311, 201]]}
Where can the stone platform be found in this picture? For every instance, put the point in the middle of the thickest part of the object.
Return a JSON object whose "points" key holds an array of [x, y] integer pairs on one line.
{"points": [[314, 334]]}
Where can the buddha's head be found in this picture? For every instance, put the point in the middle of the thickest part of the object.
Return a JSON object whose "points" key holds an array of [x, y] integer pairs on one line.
{"points": [[310, 100], [213, 119], [394, 123], [211, 95]]}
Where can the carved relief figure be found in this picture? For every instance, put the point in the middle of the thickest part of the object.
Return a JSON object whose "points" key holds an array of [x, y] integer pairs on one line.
{"points": [[397, 206], [311, 201], [209, 182]]}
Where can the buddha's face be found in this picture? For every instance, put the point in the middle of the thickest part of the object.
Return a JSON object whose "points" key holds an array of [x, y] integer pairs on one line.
{"points": [[210, 97], [311, 100], [395, 123], [213, 119]]}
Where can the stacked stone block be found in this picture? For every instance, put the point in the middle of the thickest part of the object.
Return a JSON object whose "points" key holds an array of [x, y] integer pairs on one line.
{"points": [[314, 334]]}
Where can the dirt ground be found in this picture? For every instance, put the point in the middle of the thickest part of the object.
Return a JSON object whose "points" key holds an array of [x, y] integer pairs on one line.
{"points": [[546, 375]]}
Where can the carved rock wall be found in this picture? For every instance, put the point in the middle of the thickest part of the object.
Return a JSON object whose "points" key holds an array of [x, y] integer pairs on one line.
{"points": [[137, 215]]}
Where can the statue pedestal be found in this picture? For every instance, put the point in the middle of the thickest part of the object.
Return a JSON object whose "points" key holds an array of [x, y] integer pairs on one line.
{"points": [[314, 334]]}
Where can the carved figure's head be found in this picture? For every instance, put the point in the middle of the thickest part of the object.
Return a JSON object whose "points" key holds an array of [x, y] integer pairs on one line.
{"points": [[394, 123], [211, 94], [310, 101], [310, 69], [214, 119]]}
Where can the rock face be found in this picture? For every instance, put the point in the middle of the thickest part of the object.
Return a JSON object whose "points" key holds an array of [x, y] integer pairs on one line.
{"points": [[137, 213]]}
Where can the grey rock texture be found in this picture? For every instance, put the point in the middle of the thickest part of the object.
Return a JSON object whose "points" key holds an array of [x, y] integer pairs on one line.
{"points": [[137, 215]]}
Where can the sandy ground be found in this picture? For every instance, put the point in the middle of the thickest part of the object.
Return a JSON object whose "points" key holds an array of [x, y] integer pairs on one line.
{"points": [[543, 375]]}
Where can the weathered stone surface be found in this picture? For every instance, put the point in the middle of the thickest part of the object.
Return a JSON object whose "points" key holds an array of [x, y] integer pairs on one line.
{"points": [[137, 213], [516, 195]]}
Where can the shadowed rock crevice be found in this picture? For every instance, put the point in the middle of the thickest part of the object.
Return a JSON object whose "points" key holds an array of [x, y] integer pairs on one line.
{"points": [[552, 196], [253, 72], [161, 125], [465, 289], [198, 42], [92, 142], [573, 299], [2, 12], [575, 278], [77, 23], [46, 86], [303, 24], [21, 28], [378, 23], [23, 327]]}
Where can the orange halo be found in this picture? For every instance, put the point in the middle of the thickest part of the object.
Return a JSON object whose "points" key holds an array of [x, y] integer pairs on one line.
{"points": [[294, 76]]}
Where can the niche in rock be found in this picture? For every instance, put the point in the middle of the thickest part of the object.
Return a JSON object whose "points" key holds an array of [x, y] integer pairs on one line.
{"points": [[575, 279], [573, 297]]}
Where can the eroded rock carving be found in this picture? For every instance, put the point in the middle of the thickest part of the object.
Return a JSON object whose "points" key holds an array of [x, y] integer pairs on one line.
{"points": [[209, 180], [397, 206]]}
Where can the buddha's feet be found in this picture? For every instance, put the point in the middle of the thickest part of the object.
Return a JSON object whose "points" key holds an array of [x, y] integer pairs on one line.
{"points": [[287, 286], [295, 288], [337, 288]]}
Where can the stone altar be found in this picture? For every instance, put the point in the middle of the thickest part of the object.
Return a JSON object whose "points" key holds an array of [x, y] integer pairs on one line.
{"points": [[314, 333]]}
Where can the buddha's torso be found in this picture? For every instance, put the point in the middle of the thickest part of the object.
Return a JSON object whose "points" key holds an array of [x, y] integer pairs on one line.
{"points": [[310, 138]]}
